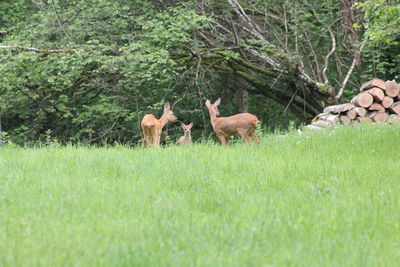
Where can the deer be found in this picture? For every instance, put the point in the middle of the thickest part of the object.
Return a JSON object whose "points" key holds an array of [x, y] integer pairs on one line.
{"points": [[186, 139], [152, 127], [243, 124]]}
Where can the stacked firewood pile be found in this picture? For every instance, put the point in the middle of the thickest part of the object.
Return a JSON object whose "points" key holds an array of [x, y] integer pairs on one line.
{"points": [[378, 101]]}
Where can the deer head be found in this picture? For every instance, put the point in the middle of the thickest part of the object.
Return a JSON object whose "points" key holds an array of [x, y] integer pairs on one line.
{"points": [[169, 113], [187, 128], [213, 108], [186, 139], [243, 124]]}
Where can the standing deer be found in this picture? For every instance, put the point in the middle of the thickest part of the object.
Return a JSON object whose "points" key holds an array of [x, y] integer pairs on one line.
{"points": [[243, 124], [186, 139], [152, 127]]}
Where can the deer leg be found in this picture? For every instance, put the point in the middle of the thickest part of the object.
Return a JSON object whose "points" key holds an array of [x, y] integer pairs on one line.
{"points": [[147, 139], [156, 138], [255, 138], [146, 136], [245, 138], [223, 139]]}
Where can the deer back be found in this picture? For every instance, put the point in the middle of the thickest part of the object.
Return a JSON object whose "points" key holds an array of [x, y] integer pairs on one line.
{"points": [[149, 121], [240, 123]]}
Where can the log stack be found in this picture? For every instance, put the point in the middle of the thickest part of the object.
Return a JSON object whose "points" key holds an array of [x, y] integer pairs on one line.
{"points": [[378, 101]]}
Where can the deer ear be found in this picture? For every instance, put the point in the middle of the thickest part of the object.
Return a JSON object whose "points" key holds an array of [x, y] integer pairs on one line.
{"points": [[190, 125], [183, 125], [208, 103], [217, 102], [167, 106]]}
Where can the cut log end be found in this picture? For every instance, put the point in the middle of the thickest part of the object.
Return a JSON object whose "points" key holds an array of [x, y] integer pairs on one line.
{"points": [[378, 116], [352, 114], [361, 112], [387, 102], [363, 99], [377, 93], [376, 107], [345, 120], [395, 108], [373, 83], [392, 89]]}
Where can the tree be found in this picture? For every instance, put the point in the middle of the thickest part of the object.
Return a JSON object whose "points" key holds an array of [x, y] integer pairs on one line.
{"points": [[382, 20], [90, 72], [287, 51]]}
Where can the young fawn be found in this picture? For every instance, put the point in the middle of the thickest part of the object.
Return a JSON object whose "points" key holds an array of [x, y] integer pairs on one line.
{"points": [[186, 139], [152, 127], [243, 124]]}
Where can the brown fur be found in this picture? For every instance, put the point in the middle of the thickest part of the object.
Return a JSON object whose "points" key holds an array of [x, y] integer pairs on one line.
{"points": [[152, 127], [243, 124], [186, 139]]}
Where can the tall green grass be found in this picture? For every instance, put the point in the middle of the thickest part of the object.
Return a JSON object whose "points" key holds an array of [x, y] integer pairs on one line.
{"points": [[329, 198]]}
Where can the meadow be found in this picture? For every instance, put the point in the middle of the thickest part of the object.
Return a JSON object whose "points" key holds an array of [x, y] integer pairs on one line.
{"points": [[325, 198]]}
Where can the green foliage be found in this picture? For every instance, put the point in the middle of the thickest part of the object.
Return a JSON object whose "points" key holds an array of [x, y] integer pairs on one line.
{"points": [[382, 20], [291, 201], [121, 59], [118, 67], [381, 61]]}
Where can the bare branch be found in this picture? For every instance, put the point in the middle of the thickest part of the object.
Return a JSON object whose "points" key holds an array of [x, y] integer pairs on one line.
{"points": [[58, 18], [333, 49], [350, 71], [333, 40], [37, 50], [237, 8]]}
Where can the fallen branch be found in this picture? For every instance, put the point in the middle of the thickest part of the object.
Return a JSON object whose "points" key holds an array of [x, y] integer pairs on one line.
{"points": [[37, 50]]}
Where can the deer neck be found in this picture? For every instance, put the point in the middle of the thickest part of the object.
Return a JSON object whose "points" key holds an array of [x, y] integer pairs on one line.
{"points": [[163, 120], [213, 117], [187, 135]]}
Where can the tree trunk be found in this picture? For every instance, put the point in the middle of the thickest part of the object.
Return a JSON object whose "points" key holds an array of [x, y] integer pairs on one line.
{"points": [[349, 20], [398, 95], [243, 100], [373, 83], [363, 99], [392, 89], [376, 107], [321, 123], [361, 112], [395, 108], [345, 120], [377, 93], [378, 116], [387, 101], [338, 108], [352, 114], [333, 119]]}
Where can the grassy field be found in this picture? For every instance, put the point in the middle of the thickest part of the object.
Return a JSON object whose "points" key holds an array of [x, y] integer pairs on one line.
{"points": [[329, 198]]}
